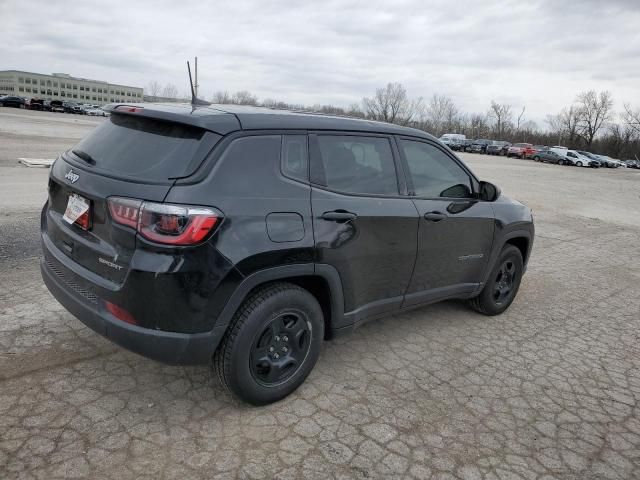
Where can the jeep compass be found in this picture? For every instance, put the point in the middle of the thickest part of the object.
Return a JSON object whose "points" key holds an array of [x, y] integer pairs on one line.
{"points": [[244, 237]]}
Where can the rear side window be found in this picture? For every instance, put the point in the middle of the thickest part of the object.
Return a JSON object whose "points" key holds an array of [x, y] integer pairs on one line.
{"points": [[295, 162], [434, 173], [355, 164], [146, 149]]}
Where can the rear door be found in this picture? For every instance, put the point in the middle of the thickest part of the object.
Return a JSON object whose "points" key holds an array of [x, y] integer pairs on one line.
{"points": [[455, 230], [124, 157], [363, 226]]}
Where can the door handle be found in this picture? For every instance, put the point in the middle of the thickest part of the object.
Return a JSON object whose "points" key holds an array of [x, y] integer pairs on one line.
{"points": [[435, 216], [338, 216]]}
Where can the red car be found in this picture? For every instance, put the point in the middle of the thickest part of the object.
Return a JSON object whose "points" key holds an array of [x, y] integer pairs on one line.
{"points": [[522, 150]]}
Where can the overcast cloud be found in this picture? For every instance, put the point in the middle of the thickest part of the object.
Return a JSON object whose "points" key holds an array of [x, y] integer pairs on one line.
{"points": [[534, 53]]}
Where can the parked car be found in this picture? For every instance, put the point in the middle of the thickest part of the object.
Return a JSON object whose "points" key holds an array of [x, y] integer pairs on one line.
{"points": [[633, 164], [620, 163], [57, 106], [581, 160], [95, 112], [466, 145], [607, 161], [204, 235], [480, 145], [522, 150], [538, 148], [34, 104], [453, 140], [495, 147], [12, 101], [550, 156], [505, 149]]}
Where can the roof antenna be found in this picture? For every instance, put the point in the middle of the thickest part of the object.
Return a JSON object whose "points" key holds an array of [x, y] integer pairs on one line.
{"points": [[195, 100]]}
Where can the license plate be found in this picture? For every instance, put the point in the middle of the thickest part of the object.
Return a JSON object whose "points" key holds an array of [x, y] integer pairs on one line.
{"points": [[77, 209]]}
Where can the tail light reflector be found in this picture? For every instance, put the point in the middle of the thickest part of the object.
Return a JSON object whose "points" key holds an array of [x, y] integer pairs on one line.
{"points": [[165, 223], [120, 313]]}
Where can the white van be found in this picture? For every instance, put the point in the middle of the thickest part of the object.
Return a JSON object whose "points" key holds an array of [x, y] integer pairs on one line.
{"points": [[453, 140]]}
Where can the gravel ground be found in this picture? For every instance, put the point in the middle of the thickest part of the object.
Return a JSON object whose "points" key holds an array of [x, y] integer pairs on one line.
{"points": [[550, 389]]}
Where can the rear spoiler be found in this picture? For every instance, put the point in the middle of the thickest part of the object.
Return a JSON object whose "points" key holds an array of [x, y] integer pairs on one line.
{"points": [[208, 118]]}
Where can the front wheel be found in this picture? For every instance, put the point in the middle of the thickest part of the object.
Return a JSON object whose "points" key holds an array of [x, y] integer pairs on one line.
{"points": [[503, 283], [579, 164], [272, 343]]}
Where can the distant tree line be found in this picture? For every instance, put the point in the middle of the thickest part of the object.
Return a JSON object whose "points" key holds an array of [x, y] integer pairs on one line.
{"points": [[590, 122]]}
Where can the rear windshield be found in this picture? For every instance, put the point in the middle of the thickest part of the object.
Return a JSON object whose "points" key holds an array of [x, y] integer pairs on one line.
{"points": [[145, 149]]}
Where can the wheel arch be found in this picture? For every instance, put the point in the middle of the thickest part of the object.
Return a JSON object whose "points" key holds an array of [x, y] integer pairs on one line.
{"points": [[322, 281]]}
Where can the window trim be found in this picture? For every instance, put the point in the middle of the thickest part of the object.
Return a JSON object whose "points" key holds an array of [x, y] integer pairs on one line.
{"points": [[315, 159], [475, 183]]}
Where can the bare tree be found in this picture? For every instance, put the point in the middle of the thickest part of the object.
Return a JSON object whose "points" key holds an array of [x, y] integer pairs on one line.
{"points": [[632, 118], [391, 104], [441, 113], [520, 119], [478, 125], [593, 111], [564, 125], [221, 97], [501, 113], [354, 110], [153, 88], [244, 97], [170, 91]]}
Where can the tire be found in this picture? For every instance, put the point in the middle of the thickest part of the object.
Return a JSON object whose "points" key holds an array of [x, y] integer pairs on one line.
{"points": [[251, 361], [536, 158], [579, 163], [486, 302], [560, 162]]}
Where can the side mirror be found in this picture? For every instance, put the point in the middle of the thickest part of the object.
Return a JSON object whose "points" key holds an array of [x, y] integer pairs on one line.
{"points": [[489, 192]]}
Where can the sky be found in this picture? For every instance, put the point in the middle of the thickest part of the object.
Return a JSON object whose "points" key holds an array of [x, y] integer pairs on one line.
{"points": [[538, 54]]}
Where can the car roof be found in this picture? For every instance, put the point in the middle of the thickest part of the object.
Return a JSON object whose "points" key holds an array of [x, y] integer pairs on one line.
{"points": [[224, 119]]}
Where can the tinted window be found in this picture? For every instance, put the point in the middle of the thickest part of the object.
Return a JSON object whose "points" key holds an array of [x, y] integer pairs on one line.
{"points": [[358, 164], [434, 173], [294, 157], [146, 149]]}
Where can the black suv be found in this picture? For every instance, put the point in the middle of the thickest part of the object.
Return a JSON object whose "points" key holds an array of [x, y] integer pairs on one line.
{"points": [[245, 237], [480, 145]]}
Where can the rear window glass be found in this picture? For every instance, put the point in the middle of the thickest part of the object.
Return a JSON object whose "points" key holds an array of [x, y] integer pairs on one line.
{"points": [[145, 149]]}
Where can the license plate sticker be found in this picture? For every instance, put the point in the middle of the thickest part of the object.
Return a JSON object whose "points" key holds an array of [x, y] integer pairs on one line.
{"points": [[76, 207]]}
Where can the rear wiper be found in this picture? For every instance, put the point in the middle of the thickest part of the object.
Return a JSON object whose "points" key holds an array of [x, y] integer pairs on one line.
{"points": [[84, 156]]}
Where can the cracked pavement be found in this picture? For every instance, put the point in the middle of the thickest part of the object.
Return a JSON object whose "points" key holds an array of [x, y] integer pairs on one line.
{"points": [[550, 389]]}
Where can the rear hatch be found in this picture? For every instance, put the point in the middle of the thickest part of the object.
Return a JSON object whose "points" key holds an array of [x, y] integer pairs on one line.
{"points": [[125, 156]]}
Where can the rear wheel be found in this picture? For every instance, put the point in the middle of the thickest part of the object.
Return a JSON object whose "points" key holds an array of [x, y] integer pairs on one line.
{"points": [[503, 283], [579, 163], [271, 345], [536, 158]]}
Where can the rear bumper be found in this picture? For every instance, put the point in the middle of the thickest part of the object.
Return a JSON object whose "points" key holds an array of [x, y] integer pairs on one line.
{"points": [[167, 347]]}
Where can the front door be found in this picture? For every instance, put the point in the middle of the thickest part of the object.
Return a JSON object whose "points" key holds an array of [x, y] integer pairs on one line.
{"points": [[455, 230]]}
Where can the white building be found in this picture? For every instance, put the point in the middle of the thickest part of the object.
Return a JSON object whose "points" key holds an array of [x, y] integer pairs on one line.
{"points": [[62, 86]]}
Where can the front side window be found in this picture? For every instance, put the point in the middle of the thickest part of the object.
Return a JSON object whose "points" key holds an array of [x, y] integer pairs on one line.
{"points": [[355, 164], [434, 173]]}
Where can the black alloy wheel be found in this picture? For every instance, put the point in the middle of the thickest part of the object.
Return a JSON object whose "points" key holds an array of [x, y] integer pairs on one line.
{"points": [[281, 348]]}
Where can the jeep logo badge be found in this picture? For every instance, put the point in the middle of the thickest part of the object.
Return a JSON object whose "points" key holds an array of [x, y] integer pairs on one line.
{"points": [[72, 176]]}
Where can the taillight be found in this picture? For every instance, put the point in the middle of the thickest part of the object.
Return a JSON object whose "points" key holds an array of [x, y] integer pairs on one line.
{"points": [[165, 223], [125, 211]]}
